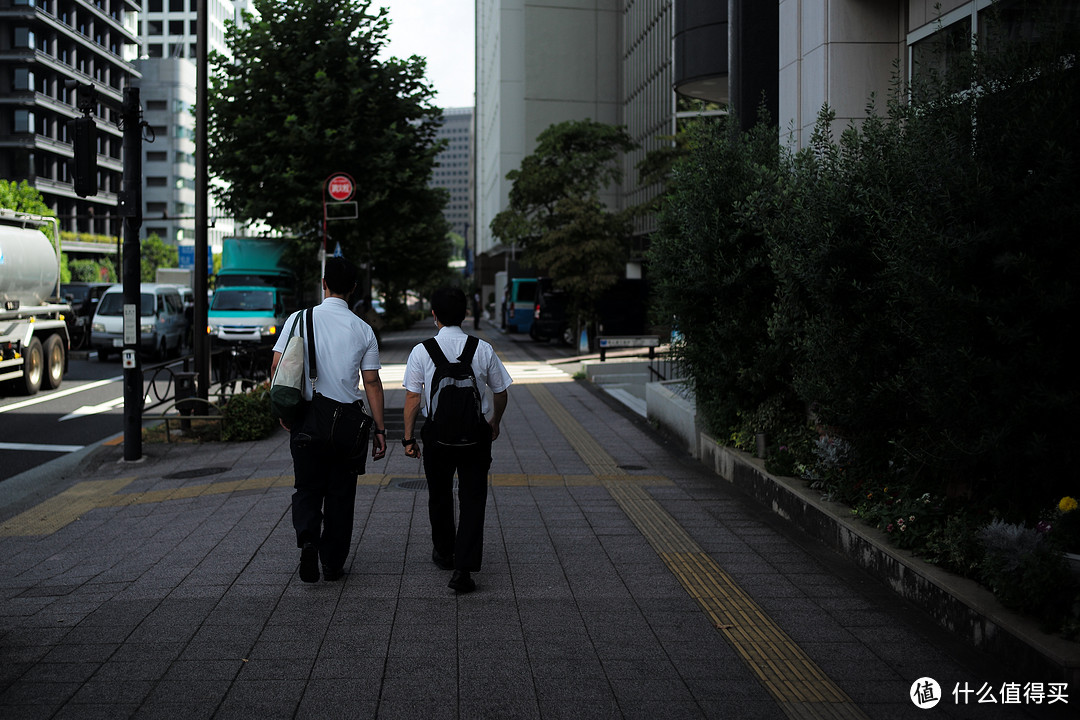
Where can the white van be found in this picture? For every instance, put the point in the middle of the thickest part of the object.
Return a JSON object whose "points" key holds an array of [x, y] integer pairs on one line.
{"points": [[163, 323]]}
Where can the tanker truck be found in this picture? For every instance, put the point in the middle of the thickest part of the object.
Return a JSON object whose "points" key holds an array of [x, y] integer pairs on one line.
{"points": [[33, 333]]}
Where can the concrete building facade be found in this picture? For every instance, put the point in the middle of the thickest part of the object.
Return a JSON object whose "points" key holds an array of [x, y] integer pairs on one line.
{"points": [[168, 34], [45, 46], [454, 169]]}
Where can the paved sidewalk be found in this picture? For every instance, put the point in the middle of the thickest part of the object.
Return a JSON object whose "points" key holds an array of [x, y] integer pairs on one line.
{"points": [[620, 579]]}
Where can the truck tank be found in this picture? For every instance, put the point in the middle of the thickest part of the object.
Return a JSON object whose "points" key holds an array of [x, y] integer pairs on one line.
{"points": [[29, 269]]}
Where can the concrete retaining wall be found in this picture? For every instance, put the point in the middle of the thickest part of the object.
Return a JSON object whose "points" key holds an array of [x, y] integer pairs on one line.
{"points": [[957, 604]]}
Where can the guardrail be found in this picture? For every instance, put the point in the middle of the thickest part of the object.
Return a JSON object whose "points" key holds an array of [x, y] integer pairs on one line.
{"points": [[169, 387]]}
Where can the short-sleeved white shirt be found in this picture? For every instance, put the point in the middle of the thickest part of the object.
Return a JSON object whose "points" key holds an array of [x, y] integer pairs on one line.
{"points": [[491, 374], [345, 345]]}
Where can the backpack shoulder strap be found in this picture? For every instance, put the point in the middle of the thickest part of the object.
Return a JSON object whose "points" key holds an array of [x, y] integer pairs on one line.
{"points": [[466, 355], [312, 371], [436, 353]]}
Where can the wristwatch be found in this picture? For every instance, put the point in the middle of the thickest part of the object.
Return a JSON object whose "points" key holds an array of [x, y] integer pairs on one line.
{"points": [[378, 431], [406, 442]]}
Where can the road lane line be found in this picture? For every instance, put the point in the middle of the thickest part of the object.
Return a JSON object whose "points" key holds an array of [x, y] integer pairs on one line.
{"points": [[58, 394], [43, 448]]}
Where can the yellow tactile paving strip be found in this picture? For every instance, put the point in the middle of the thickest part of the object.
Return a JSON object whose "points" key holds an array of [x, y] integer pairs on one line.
{"points": [[795, 681]]}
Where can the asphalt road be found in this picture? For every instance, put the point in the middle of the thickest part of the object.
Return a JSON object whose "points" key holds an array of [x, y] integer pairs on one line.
{"points": [[86, 408]]}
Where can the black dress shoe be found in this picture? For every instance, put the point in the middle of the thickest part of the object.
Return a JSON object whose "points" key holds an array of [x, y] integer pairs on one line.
{"points": [[332, 575], [461, 582], [441, 561], [309, 563]]}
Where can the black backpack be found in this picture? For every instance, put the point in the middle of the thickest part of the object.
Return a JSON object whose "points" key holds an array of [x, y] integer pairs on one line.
{"points": [[456, 412]]}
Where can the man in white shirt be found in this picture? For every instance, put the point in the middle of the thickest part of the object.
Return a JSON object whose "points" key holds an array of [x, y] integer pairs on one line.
{"points": [[346, 354], [459, 549]]}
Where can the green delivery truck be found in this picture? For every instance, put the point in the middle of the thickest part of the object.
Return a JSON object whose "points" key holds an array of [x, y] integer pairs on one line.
{"points": [[255, 293]]}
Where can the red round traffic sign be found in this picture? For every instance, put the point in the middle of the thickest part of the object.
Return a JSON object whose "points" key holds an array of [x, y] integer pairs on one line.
{"points": [[340, 187]]}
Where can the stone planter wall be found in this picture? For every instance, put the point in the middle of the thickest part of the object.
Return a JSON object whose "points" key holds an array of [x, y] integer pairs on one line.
{"points": [[957, 604]]}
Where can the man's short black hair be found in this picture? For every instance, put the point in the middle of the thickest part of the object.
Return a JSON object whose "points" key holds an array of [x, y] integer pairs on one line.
{"points": [[340, 275], [449, 305]]}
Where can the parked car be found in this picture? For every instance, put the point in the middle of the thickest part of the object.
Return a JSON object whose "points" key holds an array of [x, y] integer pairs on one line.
{"points": [[163, 323], [550, 318]]}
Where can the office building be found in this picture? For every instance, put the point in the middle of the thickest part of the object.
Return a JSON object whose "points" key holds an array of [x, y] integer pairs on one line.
{"points": [[168, 34], [46, 46], [453, 170]]}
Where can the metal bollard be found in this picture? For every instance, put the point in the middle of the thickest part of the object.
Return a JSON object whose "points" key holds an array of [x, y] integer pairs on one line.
{"points": [[185, 390]]}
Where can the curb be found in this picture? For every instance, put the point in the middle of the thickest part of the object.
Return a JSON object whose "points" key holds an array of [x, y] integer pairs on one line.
{"points": [[957, 604]]}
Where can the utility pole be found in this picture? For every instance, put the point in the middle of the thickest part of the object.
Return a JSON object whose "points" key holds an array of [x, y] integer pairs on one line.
{"points": [[131, 212], [202, 79], [84, 171]]}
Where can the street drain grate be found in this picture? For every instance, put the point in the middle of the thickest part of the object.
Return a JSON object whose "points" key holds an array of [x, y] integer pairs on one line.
{"points": [[195, 473], [631, 467], [409, 483]]}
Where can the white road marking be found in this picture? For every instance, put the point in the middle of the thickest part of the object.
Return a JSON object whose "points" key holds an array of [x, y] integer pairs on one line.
{"points": [[93, 409], [58, 394], [42, 448]]}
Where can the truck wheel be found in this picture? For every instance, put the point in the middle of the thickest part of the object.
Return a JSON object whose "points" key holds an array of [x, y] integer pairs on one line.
{"points": [[54, 362], [33, 367], [103, 355]]}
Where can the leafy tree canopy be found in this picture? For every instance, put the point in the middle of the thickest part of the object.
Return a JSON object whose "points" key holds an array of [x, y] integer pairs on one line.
{"points": [[556, 215], [22, 197], [154, 253], [304, 98]]}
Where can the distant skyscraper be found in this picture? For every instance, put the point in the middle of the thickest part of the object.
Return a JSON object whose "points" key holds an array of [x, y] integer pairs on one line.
{"points": [[454, 170]]}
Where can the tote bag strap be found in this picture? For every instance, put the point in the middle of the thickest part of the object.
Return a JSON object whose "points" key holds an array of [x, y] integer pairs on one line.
{"points": [[313, 372]]}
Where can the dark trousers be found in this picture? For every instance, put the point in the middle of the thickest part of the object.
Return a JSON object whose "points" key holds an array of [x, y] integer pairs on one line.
{"points": [[323, 501], [466, 541]]}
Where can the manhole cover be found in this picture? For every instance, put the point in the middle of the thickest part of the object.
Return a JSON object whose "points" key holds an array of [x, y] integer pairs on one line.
{"points": [[195, 473], [632, 467]]}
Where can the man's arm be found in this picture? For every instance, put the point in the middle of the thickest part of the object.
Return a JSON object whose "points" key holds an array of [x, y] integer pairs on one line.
{"points": [[274, 364], [412, 409], [373, 390], [499, 406]]}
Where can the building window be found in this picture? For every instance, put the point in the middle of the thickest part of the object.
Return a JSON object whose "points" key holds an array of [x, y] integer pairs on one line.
{"points": [[154, 27], [154, 6], [176, 5], [24, 121], [153, 50], [176, 27], [156, 105], [156, 182], [24, 38], [158, 208], [23, 80], [157, 156]]}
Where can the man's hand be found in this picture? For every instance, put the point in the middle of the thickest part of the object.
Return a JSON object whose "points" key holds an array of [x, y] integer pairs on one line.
{"points": [[378, 450]]}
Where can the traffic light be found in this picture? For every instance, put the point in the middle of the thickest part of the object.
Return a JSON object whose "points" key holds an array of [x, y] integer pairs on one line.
{"points": [[84, 139]]}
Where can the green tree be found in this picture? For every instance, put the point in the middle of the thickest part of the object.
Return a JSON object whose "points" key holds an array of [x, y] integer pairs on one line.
{"points": [[154, 253], [21, 197], [711, 277], [305, 97], [555, 213]]}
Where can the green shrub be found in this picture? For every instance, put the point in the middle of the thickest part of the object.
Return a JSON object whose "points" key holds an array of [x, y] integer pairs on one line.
{"points": [[246, 416]]}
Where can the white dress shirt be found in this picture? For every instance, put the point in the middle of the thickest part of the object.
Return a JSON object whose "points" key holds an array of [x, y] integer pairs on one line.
{"points": [[345, 346], [491, 374]]}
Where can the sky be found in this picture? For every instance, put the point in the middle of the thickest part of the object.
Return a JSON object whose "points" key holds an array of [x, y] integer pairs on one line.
{"points": [[442, 31]]}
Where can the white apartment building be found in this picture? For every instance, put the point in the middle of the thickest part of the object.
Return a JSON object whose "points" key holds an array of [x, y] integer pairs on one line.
{"points": [[168, 34]]}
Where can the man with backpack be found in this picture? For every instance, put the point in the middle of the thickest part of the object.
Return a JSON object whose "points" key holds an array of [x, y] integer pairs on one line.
{"points": [[446, 377]]}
